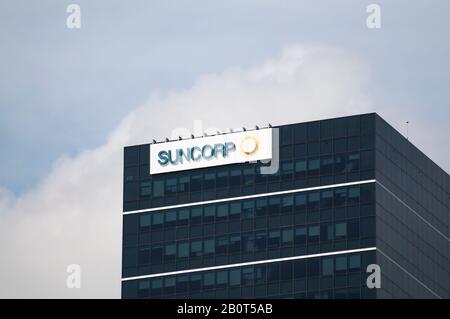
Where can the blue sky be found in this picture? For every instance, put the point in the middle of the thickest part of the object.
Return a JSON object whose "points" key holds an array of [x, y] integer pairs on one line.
{"points": [[62, 91], [137, 70]]}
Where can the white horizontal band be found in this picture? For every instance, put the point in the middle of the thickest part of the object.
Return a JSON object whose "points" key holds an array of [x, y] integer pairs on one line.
{"points": [[250, 263], [213, 201]]}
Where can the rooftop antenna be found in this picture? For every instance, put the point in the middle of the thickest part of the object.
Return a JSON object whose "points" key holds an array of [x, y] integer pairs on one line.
{"points": [[407, 130]]}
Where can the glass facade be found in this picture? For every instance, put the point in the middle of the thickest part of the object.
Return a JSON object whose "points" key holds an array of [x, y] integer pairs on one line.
{"points": [[246, 230], [311, 154], [230, 215], [322, 277]]}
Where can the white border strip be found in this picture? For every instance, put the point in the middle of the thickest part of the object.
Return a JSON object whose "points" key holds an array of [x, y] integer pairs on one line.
{"points": [[250, 263], [409, 274], [298, 190], [415, 213]]}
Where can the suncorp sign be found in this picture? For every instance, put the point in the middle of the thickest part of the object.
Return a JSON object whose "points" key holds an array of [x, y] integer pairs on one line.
{"points": [[211, 151]]}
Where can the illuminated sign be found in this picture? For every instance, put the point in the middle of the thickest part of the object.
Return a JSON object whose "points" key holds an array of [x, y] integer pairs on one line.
{"points": [[211, 151]]}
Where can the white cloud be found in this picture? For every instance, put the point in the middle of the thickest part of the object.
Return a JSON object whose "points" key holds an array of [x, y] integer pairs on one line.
{"points": [[74, 214]]}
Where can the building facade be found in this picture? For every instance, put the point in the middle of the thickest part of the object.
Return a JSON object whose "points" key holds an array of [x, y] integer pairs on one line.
{"points": [[346, 193]]}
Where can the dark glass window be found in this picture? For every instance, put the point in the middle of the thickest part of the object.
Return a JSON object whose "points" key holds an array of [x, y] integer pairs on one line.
{"points": [[247, 211], [183, 217], [274, 238], [326, 167], [367, 160], [299, 269], [286, 135], [183, 249], [300, 133], [340, 129], [340, 230], [326, 129], [222, 178], [196, 248], [339, 163], [210, 246], [340, 197], [300, 235], [261, 207], [353, 162], [327, 199], [327, 266], [260, 240], [222, 212], [209, 214], [341, 264], [157, 220], [235, 177], [353, 195], [248, 176], [171, 218], [287, 237], [313, 267], [183, 183], [300, 168], [340, 145], [353, 126], [314, 201], [300, 202], [171, 185], [313, 233], [313, 148], [287, 152], [196, 215], [158, 188], [313, 131], [300, 150], [146, 188], [235, 210], [209, 180], [196, 182], [131, 191], [313, 167], [353, 143], [326, 147], [131, 173], [131, 156]]}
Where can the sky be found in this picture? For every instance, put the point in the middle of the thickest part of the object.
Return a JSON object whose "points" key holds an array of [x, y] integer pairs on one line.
{"points": [[70, 99]]}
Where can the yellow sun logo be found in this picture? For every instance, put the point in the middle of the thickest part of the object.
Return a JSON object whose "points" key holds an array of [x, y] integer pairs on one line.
{"points": [[249, 145]]}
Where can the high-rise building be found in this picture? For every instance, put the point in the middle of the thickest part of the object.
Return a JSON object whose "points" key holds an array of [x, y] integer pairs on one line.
{"points": [[294, 211]]}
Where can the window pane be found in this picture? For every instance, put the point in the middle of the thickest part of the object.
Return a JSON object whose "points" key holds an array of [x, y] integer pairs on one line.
{"points": [[354, 262], [327, 266], [341, 263], [158, 188], [209, 246], [287, 235], [183, 249], [235, 277], [341, 230]]}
